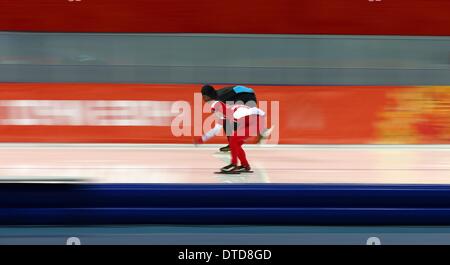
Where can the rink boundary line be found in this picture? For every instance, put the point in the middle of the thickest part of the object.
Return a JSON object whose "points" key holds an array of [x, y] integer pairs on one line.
{"points": [[216, 146]]}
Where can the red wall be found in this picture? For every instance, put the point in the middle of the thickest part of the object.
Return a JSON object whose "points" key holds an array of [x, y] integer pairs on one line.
{"points": [[386, 17]]}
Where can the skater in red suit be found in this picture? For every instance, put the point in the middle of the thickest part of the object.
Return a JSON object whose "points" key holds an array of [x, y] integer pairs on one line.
{"points": [[246, 123]]}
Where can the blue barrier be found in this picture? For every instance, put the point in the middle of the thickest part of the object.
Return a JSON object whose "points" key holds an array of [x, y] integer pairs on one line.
{"points": [[262, 204]]}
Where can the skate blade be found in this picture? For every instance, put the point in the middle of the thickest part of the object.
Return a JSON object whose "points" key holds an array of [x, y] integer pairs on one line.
{"points": [[243, 172], [227, 173]]}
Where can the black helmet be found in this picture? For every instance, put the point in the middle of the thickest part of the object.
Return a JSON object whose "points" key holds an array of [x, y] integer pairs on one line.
{"points": [[208, 90]]}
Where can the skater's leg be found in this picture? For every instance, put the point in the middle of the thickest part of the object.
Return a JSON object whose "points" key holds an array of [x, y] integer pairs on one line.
{"points": [[241, 153], [234, 149], [237, 152], [234, 157]]}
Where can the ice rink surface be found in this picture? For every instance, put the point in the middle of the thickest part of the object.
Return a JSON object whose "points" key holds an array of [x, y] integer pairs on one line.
{"points": [[144, 163]]}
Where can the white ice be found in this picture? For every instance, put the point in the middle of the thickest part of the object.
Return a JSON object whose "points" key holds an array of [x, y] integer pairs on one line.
{"points": [[142, 163]]}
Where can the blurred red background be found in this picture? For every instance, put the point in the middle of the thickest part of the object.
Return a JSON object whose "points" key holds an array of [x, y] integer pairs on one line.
{"points": [[359, 17]]}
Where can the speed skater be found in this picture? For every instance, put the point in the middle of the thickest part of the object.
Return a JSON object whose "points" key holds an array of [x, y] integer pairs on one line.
{"points": [[245, 120]]}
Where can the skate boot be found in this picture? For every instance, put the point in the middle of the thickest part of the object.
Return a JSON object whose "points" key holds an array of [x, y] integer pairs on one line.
{"points": [[244, 169], [225, 149], [231, 168]]}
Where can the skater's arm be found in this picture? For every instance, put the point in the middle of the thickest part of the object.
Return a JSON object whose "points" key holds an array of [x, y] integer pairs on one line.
{"points": [[243, 112], [257, 111], [211, 133]]}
